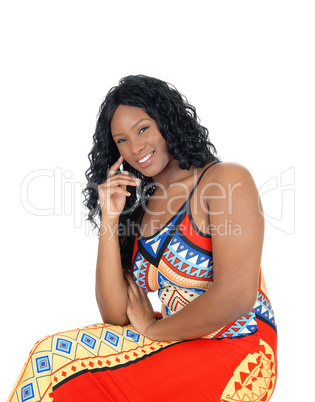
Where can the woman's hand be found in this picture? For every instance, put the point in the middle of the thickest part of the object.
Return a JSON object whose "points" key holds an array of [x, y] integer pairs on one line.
{"points": [[139, 308], [112, 192]]}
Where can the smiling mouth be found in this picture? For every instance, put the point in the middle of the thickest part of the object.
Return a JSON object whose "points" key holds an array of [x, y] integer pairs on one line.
{"points": [[145, 158]]}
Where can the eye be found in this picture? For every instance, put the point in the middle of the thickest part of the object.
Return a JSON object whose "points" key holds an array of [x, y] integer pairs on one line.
{"points": [[143, 129], [119, 141]]}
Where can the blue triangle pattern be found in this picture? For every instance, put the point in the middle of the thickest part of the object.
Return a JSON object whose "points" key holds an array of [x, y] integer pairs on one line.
{"points": [[154, 244], [243, 326], [188, 263], [191, 251], [264, 309], [139, 270]]}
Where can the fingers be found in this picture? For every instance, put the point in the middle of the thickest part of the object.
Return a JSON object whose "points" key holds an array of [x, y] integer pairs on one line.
{"points": [[133, 288], [123, 179], [125, 173], [132, 293], [109, 190], [113, 169], [118, 184], [130, 281]]}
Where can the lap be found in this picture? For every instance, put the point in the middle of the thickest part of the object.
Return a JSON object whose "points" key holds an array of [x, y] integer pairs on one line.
{"points": [[108, 362]]}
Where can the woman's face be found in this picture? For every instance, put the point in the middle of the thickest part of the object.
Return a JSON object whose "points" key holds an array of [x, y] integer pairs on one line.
{"points": [[139, 140]]}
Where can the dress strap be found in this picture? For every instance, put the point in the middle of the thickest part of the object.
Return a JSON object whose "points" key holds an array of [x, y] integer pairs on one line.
{"points": [[200, 177], [190, 195]]}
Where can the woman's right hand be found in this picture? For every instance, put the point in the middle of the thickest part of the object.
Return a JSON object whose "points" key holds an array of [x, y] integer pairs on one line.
{"points": [[112, 192]]}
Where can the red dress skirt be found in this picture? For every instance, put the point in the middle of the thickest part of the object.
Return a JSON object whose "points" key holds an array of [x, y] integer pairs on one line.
{"points": [[111, 363]]}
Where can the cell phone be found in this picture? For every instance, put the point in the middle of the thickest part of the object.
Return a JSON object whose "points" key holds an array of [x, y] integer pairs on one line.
{"points": [[121, 168]]}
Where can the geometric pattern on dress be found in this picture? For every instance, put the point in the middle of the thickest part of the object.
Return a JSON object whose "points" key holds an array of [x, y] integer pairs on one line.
{"points": [[254, 379], [140, 269], [153, 244], [176, 291], [165, 311], [187, 260], [56, 358], [176, 298], [172, 276], [166, 284], [245, 325], [152, 278], [27, 392], [264, 309]]}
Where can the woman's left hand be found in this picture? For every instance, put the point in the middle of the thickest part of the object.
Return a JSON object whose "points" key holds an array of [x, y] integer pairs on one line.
{"points": [[139, 308]]}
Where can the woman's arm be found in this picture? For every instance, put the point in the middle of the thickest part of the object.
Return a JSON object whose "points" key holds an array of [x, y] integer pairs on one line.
{"points": [[111, 287], [233, 202]]}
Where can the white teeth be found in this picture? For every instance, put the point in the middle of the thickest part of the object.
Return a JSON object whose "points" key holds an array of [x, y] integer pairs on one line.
{"points": [[145, 158]]}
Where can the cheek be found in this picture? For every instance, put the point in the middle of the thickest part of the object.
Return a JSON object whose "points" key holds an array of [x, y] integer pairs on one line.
{"points": [[123, 149], [162, 142]]}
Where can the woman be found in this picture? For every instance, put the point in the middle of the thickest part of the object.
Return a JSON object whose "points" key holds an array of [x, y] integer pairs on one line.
{"points": [[176, 219]]}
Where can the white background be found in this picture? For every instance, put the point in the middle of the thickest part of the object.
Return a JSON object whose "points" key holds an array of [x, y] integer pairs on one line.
{"points": [[247, 66]]}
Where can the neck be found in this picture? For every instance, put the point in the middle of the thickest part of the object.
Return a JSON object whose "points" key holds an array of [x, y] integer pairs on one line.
{"points": [[170, 174]]}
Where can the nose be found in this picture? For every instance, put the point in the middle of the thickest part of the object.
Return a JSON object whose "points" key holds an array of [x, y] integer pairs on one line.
{"points": [[136, 146]]}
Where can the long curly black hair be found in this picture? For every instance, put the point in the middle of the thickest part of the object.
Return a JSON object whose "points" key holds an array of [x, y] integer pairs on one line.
{"points": [[187, 141]]}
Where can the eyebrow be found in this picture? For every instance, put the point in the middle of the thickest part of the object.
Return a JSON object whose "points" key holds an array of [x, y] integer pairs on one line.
{"points": [[145, 118]]}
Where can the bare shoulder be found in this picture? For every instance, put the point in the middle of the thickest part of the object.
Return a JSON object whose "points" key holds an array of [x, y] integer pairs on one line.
{"points": [[225, 171], [225, 178]]}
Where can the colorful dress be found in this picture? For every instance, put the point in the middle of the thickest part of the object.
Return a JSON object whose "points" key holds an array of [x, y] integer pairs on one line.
{"points": [[106, 362]]}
